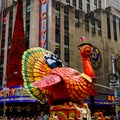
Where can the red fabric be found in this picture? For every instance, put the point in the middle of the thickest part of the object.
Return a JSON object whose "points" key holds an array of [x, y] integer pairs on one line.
{"points": [[16, 50]]}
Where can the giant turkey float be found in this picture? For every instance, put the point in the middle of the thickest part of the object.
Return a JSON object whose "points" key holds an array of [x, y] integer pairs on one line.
{"points": [[47, 79]]}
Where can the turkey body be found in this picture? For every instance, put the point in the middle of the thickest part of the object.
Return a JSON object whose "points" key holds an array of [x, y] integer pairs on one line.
{"points": [[65, 84], [46, 78]]}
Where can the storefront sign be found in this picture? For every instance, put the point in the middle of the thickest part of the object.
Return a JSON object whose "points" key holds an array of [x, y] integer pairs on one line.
{"points": [[20, 91], [15, 95]]}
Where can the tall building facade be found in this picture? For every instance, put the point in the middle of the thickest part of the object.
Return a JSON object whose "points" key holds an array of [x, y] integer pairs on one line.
{"points": [[67, 22]]}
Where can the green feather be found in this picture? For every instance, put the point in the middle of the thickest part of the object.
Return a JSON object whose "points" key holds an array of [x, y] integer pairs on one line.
{"points": [[62, 114], [28, 60]]}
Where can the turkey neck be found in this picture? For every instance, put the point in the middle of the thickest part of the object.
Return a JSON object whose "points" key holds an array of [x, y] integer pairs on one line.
{"points": [[88, 69]]}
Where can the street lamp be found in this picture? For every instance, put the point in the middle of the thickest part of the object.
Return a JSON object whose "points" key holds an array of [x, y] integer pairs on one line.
{"points": [[5, 90], [114, 82]]}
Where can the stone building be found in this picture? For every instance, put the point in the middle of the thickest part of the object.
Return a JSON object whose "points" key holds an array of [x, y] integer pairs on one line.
{"points": [[68, 21]]}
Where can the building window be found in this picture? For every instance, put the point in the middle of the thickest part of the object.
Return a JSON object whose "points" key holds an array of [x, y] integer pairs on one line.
{"points": [[88, 5], [74, 3], [57, 50], [28, 2], [28, 9], [10, 26], [1, 69], [66, 35], [66, 56], [57, 16], [99, 3], [119, 25], [57, 30], [95, 4], [2, 47], [68, 1], [108, 26], [66, 9], [66, 22], [27, 31], [80, 4], [27, 18], [114, 28], [3, 35], [66, 38], [99, 27], [14, 2], [93, 26], [57, 5], [86, 22], [76, 18], [66, 18]]}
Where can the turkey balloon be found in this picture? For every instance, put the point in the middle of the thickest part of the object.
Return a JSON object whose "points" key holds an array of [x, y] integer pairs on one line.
{"points": [[47, 79]]}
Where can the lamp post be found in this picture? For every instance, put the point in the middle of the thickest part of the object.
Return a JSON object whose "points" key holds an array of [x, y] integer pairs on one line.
{"points": [[5, 90], [114, 83]]}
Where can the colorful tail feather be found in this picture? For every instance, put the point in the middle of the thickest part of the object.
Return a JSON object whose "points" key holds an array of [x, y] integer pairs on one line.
{"points": [[34, 68]]}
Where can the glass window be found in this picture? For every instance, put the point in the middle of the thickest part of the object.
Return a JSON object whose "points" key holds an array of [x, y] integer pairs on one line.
{"points": [[27, 17], [28, 2], [27, 31], [95, 4], [57, 5], [99, 3], [10, 25], [74, 2], [86, 22], [88, 5], [14, 2], [76, 18], [66, 22], [99, 27], [66, 56], [80, 4], [66, 18], [57, 16], [114, 27], [67, 1], [57, 50], [119, 25], [93, 26], [57, 34], [108, 26], [66, 39], [27, 8], [66, 9]]}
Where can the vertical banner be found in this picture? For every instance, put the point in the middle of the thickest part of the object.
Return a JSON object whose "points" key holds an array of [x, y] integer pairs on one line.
{"points": [[43, 34]]}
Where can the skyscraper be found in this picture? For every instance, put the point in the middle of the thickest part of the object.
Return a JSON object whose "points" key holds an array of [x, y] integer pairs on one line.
{"points": [[98, 20]]}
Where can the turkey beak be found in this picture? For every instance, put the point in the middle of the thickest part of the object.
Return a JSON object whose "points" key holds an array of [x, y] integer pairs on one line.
{"points": [[87, 51]]}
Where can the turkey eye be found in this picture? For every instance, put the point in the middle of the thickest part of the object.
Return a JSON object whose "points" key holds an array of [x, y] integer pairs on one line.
{"points": [[79, 48]]}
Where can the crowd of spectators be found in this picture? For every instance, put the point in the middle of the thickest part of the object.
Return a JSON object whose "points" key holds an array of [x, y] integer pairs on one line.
{"points": [[42, 116]]}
